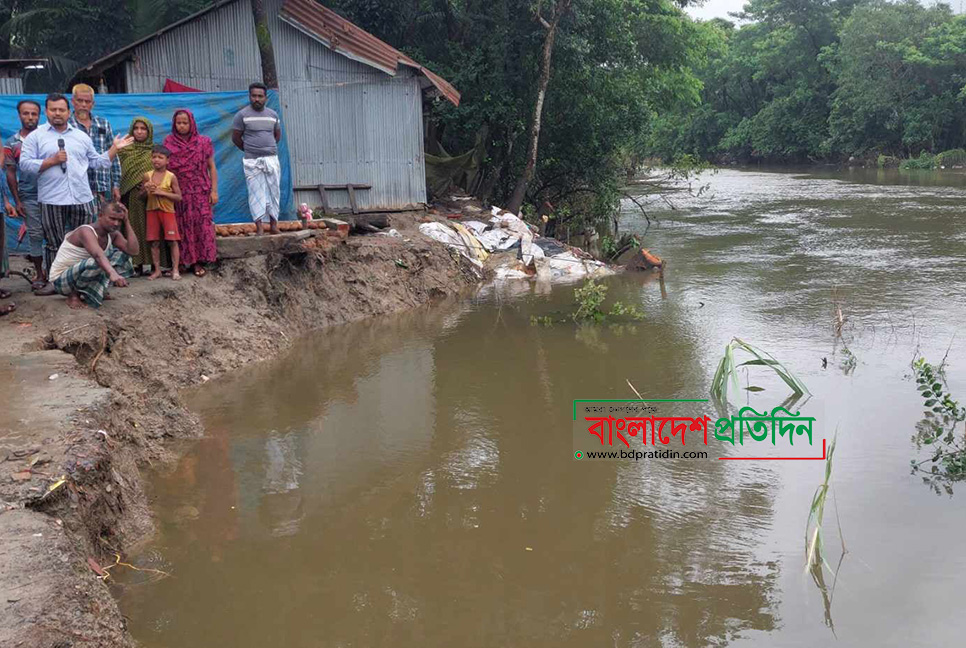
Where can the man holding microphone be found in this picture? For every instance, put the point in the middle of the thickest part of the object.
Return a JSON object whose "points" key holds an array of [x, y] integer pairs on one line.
{"points": [[60, 155]]}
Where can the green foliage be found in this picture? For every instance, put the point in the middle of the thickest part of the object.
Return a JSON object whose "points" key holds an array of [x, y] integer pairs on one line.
{"points": [[887, 161], [924, 161], [620, 309], [814, 540], [728, 370], [616, 63], [72, 33], [589, 299], [826, 80], [951, 158], [938, 428], [608, 247]]}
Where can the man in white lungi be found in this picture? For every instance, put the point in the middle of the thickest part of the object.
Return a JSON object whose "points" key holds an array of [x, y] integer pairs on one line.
{"points": [[256, 131]]}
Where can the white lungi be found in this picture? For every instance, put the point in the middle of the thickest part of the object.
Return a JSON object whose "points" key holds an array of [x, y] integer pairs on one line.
{"points": [[263, 176]]}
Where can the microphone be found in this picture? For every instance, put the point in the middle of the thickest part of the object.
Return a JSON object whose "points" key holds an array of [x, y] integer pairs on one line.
{"points": [[60, 145]]}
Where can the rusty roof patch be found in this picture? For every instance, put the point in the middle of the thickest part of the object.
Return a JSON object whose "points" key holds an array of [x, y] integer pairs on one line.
{"points": [[340, 35]]}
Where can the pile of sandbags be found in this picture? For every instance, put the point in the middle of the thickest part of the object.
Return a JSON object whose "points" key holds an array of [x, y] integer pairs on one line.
{"points": [[512, 249]]}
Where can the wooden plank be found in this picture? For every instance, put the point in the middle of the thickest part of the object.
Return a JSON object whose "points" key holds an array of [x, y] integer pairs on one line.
{"points": [[352, 199], [325, 199]]}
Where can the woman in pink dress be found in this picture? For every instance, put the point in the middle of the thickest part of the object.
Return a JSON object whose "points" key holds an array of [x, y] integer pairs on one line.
{"points": [[193, 162]]}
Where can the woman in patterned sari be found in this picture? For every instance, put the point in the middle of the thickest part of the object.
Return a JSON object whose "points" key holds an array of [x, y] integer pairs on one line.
{"points": [[135, 162], [193, 162]]}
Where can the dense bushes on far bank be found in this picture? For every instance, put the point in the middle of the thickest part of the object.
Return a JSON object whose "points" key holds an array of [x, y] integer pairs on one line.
{"points": [[834, 81]]}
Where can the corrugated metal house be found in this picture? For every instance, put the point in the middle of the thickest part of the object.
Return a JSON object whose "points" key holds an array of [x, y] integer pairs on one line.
{"points": [[352, 105], [12, 71]]}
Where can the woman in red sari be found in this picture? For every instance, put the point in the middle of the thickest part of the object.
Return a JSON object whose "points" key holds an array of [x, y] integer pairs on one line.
{"points": [[193, 162]]}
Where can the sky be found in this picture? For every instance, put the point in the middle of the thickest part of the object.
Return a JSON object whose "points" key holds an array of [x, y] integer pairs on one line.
{"points": [[721, 8], [716, 9]]}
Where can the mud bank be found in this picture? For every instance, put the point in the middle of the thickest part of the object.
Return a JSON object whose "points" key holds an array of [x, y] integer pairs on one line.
{"points": [[93, 396]]}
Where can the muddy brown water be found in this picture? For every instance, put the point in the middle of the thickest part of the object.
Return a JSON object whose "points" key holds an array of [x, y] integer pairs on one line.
{"points": [[409, 481]]}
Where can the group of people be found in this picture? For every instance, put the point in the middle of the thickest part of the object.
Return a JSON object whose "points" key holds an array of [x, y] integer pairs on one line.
{"points": [[97, 208]]}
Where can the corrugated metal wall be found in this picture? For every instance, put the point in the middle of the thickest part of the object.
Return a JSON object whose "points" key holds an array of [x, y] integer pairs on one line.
{"points": [[212, 53], [346, 122], [11, 85]]}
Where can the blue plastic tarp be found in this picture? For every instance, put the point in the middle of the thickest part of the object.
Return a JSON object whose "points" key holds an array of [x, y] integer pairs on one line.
{"points": [[213, 112]]}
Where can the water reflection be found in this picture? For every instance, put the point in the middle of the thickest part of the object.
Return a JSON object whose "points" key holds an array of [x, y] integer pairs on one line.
{"points": [[409, 482]]}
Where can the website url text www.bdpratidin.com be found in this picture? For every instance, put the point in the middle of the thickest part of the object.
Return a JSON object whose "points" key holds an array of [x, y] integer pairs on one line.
{"points": [[637, 455]]}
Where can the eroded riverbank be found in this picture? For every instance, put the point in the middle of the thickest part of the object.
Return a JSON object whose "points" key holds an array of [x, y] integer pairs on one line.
{"points": [[116, 403]]}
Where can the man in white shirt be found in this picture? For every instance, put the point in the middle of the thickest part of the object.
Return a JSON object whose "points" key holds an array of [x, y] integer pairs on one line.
{"points": [[60, 155]]}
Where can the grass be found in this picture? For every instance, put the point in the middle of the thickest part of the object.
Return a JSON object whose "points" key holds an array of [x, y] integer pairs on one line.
{"points": [[815, 543], [727, 371], [814, 546]]}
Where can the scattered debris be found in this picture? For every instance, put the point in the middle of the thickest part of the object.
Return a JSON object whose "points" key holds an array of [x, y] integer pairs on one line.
{"points": [[644, 260], [57, 484], [97, 569], [511, 249]]}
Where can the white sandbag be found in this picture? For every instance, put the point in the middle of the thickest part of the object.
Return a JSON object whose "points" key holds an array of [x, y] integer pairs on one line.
{"points": [[448, 236], [475, 226], [498, 239]]}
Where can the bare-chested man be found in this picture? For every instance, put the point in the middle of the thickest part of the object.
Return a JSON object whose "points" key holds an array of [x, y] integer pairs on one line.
{"points": [[94, 256]]}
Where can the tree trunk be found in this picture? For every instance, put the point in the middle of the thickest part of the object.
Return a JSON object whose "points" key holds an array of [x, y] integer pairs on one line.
{"points": [[265, 51], [520, 192]]}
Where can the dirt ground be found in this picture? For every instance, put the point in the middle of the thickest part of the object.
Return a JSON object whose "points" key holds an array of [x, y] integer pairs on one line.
{"points": [[93, 395]]}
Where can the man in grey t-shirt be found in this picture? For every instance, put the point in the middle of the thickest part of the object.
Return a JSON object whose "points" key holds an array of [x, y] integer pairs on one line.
{"points": [[256, 131]]}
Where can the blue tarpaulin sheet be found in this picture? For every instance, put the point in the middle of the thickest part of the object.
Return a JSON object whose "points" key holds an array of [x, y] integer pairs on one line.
{"points": [[213, 112]]}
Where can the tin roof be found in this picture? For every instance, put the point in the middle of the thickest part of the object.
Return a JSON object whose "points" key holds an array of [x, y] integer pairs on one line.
{"points": [[319, 23], [340, 35]]}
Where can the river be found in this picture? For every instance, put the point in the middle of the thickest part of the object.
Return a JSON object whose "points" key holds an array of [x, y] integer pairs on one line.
{"points": [[409, 481]]}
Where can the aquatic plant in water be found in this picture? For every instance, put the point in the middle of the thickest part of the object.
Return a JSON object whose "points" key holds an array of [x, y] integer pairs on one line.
{"points": [[590, 297], [814, 546], [728, 370], [815, 561], [937, 429]]}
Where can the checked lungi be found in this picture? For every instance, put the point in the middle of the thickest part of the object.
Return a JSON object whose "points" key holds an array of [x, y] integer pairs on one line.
{"points": [[57, 220], [263, 176], [89, 280], [35, 228]]}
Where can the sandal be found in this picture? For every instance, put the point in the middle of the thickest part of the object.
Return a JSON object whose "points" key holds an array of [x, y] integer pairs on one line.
{"points": [[5, 294], [37, 285], [6, 309], [200, 272]]}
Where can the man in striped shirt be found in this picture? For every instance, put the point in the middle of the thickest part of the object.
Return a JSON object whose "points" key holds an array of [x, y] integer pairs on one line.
{"points": [[256, 130], [105, 183]]}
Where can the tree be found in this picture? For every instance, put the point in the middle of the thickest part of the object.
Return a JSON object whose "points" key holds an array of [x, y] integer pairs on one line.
{"points": [[266, 52], [560, 9], [73, 33], [615, 63]]}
